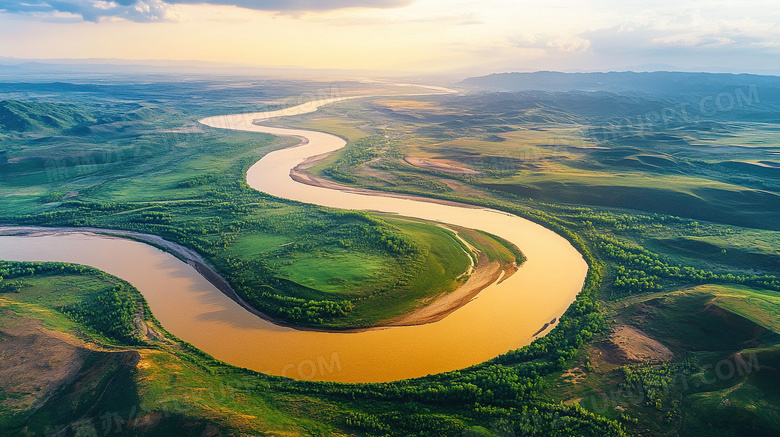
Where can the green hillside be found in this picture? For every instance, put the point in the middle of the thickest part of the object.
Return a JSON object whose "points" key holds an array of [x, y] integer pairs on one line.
{"points": [[18, 116]]}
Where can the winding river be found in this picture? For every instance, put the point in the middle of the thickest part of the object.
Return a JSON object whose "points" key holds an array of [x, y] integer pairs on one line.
{"points": [[502, 317]]}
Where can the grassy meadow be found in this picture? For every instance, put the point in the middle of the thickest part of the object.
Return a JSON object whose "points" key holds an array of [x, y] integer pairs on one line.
{"points": [[151, 169], [663, 208], [674, 333]]}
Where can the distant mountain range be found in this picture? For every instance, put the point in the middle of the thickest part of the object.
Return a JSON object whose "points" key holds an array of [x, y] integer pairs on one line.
{"points": [[657, 83]]}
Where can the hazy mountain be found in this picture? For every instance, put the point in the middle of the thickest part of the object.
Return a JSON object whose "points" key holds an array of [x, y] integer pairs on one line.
{"points": [[659, 83]]}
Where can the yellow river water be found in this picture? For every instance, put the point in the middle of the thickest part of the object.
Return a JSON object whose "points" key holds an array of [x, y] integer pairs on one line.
{"points": [[501, 318]]}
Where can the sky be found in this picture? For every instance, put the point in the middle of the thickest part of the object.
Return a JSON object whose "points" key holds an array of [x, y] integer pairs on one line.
{"points": [[433, 36]]}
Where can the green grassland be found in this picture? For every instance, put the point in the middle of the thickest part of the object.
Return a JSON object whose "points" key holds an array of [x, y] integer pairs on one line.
{"points": [[440, 271], [524, 160], [722, 379], [536, 150], [678, 222], [662, 210], [139, 170]]}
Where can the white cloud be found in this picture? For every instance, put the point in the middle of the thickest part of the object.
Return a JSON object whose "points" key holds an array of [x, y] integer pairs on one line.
{"points": [[158, 10], [550, 43]]}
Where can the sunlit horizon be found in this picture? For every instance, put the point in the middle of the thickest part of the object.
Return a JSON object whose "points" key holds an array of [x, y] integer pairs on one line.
{"points": [[426, 36]]}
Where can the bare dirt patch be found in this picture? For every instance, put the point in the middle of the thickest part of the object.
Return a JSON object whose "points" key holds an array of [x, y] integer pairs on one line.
{"points": [[626, 344], [34, 362], [573, 375], [443, 165]]}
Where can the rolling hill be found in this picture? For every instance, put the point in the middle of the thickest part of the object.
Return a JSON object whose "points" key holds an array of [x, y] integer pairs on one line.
{"points": [[18, 116]]}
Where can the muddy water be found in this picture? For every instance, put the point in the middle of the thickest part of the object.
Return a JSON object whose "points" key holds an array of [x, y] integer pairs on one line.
{"points": [[501, 318]]}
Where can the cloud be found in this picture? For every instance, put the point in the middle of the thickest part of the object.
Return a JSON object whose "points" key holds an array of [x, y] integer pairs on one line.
{"points": [[162, 10], [90, 10], [550, 43], [681, 39], [300, 5], [383, 19]]}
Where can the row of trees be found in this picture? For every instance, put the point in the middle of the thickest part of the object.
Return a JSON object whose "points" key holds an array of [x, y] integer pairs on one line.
{"points": [[639, 270]]}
